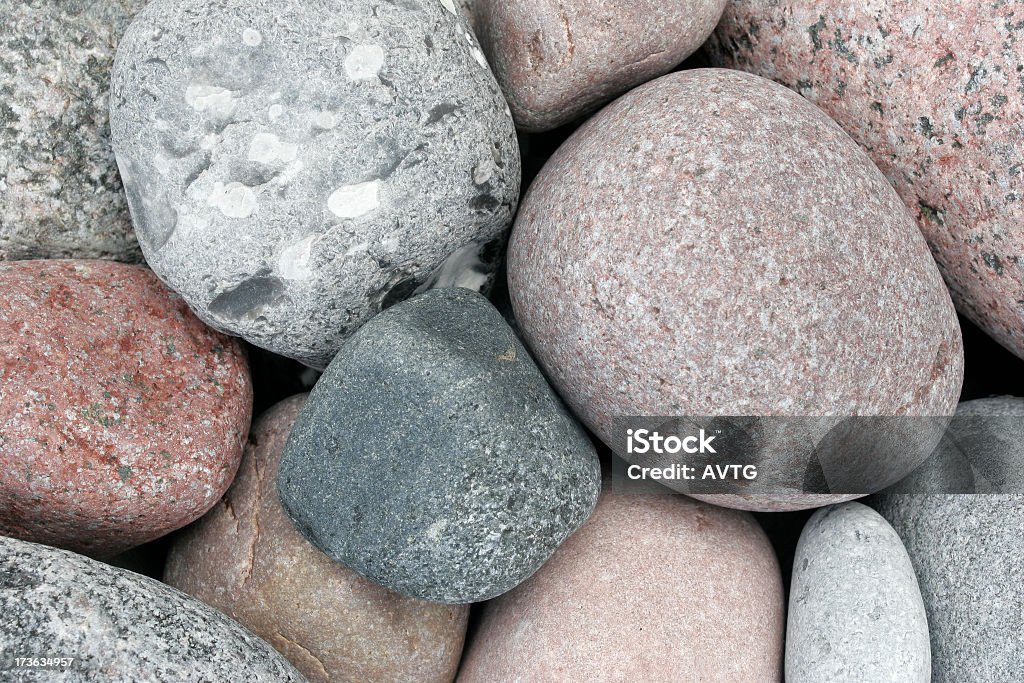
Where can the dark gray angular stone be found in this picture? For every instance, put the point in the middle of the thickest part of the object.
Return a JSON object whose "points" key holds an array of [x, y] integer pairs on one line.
{"points": [[119, 626], [294, 168], [433, 458]]}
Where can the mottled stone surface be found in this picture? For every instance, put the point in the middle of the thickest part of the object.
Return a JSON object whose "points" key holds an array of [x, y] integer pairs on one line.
{"points": [[559, 60], [434, 459], [717, 246], [652, 588], [467, 8], [855, 609], [968, 553], [294, 169], [122, 417], [246, 558], [934, 91], [119, 626]]}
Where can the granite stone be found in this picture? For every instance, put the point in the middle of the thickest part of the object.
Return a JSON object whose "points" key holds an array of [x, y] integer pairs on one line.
{"points": [[718, 247], [855, 609], [652, 588], [433, 458], [557, 61], [60, 193], [122, 417], [119, 626], [934, 92], [293, 169], [246, 558]]}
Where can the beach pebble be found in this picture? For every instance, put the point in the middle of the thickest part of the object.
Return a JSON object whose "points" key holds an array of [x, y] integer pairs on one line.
{"points": [[247, 559], [557, 61], [60, 194], [932, 90], [294, 169], [652, 588], [122, 417], [712, 244], [855, 609], [119, 626], [434, 459]]}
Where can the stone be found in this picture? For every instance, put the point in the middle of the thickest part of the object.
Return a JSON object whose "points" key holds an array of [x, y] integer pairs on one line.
{"points": [[60, 194], [651, 588], [557, 61], [433, 458], [246, 558], [855, 609], [120, 626], [933, 92], [467, 8], [292, 170], [122, 417], [719, 247], [968, 553]]}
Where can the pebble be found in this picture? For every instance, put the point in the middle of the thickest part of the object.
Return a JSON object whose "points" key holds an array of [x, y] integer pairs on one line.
{"points": [[60, 193], [434, 459], [247, 559], [120, 626], [651, 588], [717, 246], [557, 61], [855, 609], [122, 417], [294, 169], [932, 91]]}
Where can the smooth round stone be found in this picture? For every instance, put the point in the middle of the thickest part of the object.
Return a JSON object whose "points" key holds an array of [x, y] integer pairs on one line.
{"points": [[122, 417], [247, 559], [294, 169], [855, 609], [968, 553], [120, 626], [931, 90], [60, 194], [557, 61], [433, 458], [718, 246], [651, 588]]}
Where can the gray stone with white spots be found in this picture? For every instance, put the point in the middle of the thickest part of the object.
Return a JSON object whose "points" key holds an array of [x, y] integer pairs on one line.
{"points": [[855, 609], [434, 459], [119, 626], [294, 168]]}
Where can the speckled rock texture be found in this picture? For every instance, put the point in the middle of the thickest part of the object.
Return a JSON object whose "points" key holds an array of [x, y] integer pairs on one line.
{"points": [[246, 558], [122, 417], [855, 609], [558, 60], [434, 459], [934, 91], [60, 194], [652, 588], [294, 169], [467, 8], [968, 553], [119, 626], [717, 246]]}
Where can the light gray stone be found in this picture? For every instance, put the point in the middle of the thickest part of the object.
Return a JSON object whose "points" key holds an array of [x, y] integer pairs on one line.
{"points": [[295, 168], [855, 609], [434, 459]]}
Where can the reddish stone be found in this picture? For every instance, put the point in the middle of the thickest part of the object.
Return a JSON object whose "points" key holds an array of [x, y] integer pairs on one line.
{"points": [[122, 417]]}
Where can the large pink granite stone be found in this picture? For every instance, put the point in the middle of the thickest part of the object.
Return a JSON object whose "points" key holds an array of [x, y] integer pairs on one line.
{"points": [[651, 588], [713, 244], [934, 92]]}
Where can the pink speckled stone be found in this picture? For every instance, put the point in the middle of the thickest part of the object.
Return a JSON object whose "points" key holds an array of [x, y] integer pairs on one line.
{"points": [[712, 244], [934, 91], [558, 60], [122, 417], [247, 559], [651, 588]]}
